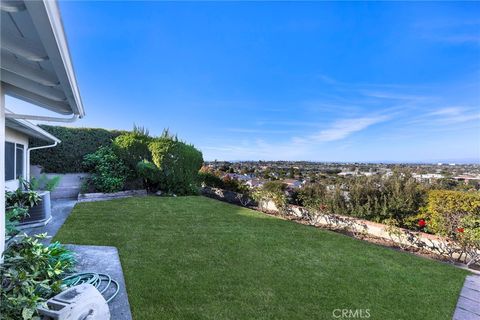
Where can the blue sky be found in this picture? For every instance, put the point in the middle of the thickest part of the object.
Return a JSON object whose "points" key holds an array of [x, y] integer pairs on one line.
{"points": [[288, 81]]}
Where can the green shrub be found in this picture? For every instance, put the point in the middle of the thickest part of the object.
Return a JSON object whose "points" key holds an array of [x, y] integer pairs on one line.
{"points": [[314, 197], [108, 173], [455, 215], [272, 191], [320, 199], [17, 204], [132, 147], [445, 209], [365, 198], [31, 273], [150, 174], [12, 217], [403, 196], [76, 143], [211, 180], [178, 162], [397, 197], [44, 183]]}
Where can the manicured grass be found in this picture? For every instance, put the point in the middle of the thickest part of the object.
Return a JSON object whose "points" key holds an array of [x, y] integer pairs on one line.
{"points": [[198, 258]]}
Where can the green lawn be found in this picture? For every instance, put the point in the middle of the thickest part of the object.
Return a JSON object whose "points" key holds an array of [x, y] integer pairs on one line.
{"points": [[198, 258]]}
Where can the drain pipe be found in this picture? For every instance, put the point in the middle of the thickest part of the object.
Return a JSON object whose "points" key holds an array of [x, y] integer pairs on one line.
{"points": [[36, 148]]}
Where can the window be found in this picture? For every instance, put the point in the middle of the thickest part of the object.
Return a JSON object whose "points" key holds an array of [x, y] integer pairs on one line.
{"points": [[14, 160], [19, 161], [9, 161]]}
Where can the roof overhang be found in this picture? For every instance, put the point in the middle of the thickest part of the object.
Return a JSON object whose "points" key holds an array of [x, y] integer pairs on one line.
{"points": [[30, 130], [35, 60]]}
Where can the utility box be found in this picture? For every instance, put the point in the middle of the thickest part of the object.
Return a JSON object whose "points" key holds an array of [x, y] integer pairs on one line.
{"points": [[82, 302]]}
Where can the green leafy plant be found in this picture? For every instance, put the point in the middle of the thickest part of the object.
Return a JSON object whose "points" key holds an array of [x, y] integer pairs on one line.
{"points": [[22, 198], [43, 182], [12, 216], [31, 273], [108, 173]]}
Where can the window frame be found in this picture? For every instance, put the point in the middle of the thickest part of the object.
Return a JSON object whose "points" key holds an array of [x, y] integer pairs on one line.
{"points": [[16, 147]]}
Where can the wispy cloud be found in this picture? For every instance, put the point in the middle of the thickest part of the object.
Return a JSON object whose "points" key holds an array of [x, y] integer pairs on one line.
{"points": [[343, 128], [450, 111], [452, 115]]}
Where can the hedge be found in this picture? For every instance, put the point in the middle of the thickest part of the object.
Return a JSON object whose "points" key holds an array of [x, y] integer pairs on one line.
{"points": [[67, 157]]}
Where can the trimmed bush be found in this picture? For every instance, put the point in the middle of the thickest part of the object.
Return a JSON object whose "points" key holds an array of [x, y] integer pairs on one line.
{"points": [[178, 163], [132, 147], [67, 157]]}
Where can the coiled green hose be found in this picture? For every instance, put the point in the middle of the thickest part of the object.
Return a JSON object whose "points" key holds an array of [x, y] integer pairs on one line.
{"points": [[94, 279]]}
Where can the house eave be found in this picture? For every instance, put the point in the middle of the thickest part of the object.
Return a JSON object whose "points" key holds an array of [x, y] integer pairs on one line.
{"points": [[30, 129]]}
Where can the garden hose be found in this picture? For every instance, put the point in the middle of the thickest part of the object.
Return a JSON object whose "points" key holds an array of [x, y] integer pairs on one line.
{"points": [[94, 279]]}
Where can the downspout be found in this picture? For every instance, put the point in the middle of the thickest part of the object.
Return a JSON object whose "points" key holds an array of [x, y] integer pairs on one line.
{"points": [[36, 148]]}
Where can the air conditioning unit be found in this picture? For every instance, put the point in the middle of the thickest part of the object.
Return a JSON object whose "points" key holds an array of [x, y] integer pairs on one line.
{"points": [[82, 302]]}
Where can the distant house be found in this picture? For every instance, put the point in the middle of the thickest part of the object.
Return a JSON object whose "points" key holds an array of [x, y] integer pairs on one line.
{"points": [[236, 176], [254, 183], [293, 184], [467, 177], [17, 151], [427, 176], [348, 173]]}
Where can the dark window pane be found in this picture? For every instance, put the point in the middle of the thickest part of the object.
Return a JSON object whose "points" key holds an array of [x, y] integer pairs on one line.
{"points": [[19, 161], [9, 161]]}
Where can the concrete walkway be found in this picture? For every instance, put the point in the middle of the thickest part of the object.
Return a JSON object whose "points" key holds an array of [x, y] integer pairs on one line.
{"points": [[61, 209], [468, 305], [97, 259]]}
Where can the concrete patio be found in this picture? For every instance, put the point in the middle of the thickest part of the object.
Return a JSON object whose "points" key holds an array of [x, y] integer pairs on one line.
{"points": [[97, 259]]}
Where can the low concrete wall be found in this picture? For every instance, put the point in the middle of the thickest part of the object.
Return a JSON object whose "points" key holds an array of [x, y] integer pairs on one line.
{"points": [[69, 186], [99, 196]]}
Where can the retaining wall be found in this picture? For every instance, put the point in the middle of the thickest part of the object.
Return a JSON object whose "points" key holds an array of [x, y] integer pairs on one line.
{"points": [[69, 186]]}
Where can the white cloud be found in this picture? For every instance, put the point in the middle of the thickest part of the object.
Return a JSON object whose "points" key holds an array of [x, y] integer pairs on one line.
{"points": [[447, 111], [343, 128], [452, 115]]}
